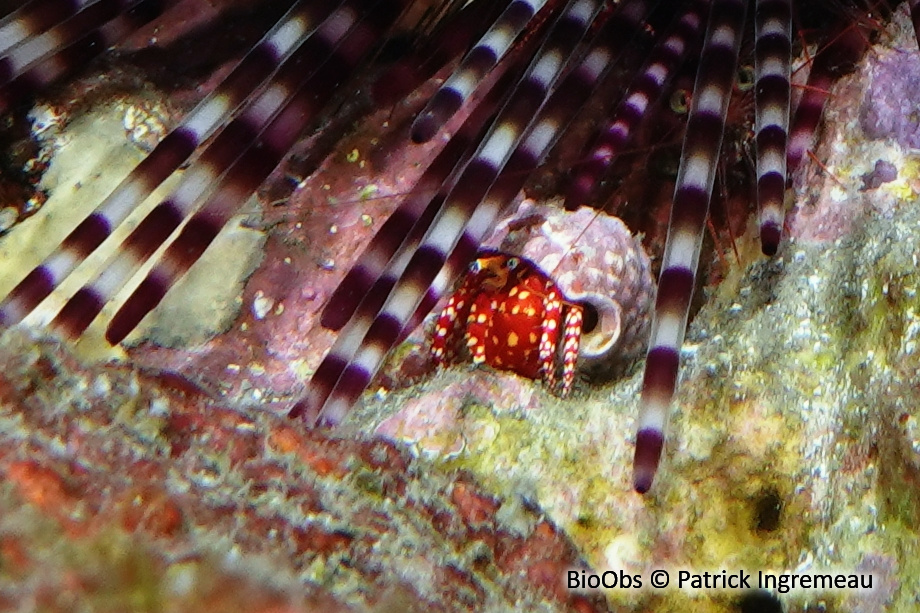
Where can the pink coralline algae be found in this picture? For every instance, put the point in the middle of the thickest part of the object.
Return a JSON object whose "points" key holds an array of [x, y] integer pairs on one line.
{"points": [[869, 129], [883, 172], [889, 107], [140, 493]]}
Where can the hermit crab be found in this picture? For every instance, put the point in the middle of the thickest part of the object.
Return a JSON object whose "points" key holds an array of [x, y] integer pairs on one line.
{"points": [[553, 292], [510, 315]]}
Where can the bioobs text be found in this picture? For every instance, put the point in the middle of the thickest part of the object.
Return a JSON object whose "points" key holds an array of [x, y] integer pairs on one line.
{"points": [[581, 580]]}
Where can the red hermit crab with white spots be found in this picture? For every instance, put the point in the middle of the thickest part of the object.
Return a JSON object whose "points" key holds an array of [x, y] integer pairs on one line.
{"points": [[510, 314], [554, 293]]}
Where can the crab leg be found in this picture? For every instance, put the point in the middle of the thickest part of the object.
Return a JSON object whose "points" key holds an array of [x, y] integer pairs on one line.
{"points": [[525, 158], [201, 123], [362, 360], [652, 81], [448, 329], [549, 336], [540, 138], [771, 94], [702, 144], [571, 340]]}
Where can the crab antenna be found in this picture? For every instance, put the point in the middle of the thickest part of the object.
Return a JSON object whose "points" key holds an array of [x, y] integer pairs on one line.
{"points": [[201, 123], [481, 59], [702, 145], [366, 352], [772, 53], [653, 79]]}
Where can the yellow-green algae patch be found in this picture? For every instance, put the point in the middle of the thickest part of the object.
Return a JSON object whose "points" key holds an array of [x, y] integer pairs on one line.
{"points": [[796, 381], [91, 156]]}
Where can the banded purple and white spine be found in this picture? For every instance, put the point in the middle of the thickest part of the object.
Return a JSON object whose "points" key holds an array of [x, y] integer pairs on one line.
{"points": [[481, 59], [258, 141], [30, 66], [202, 122], [617, 33], [653, 79], [772, 68], [844, 48], [356, 356], [36, 17], [445, 45], [404, 228], [692, 194], [28, 54]]}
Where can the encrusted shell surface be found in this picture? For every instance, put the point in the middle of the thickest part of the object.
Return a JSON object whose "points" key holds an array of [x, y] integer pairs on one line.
{"points": [[594, 259]]}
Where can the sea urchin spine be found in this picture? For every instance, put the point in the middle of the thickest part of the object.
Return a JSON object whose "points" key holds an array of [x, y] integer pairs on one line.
{"points": [[357, 356], [200, 124], [772, 54], [702, 144]]}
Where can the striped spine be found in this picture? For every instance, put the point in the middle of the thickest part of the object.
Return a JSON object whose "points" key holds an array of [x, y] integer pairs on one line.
{"points": [[772, 55], [481, 59], [445, 45], [35, 18], [201, 123], [40, 60], [351, 43], [702, 144], [355, 358], [648, 87], [404, 228], [845, 48], [37, 48], [270, 123], [526, 157], [618, 32]]}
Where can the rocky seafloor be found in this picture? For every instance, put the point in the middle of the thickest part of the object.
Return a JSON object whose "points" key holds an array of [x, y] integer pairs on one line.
{"points": [[794, 443]]}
